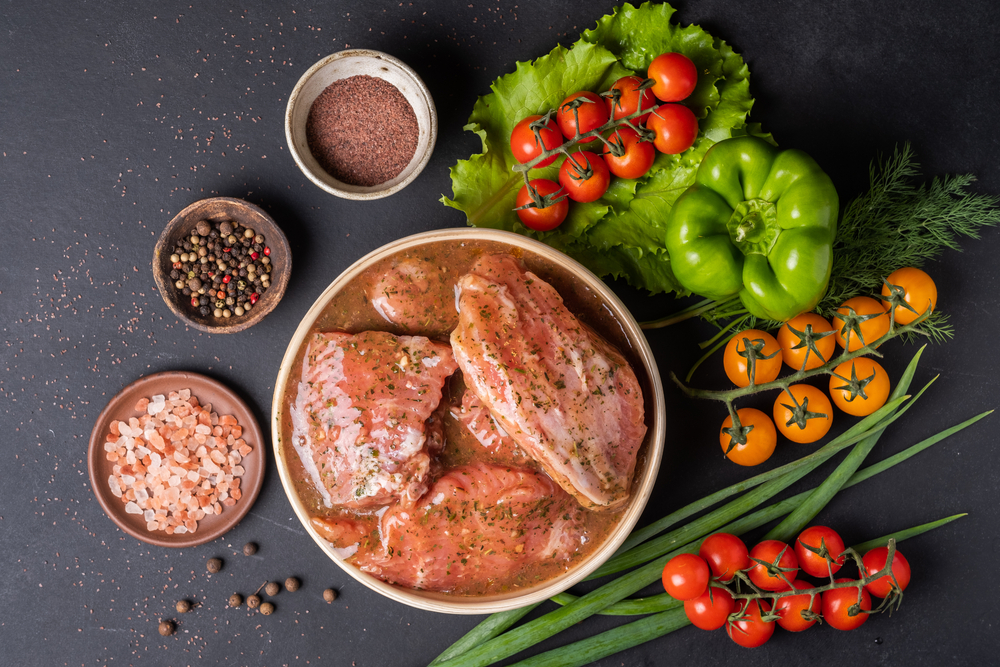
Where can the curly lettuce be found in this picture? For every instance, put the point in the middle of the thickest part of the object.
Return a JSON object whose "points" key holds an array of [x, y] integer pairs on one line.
{"points": [[621, 233]]}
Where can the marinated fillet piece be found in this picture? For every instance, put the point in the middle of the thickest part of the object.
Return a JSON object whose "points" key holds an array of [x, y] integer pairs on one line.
{"points": [[476, 418], [567, 397], [477, 523], [416, 295], [360, 418]]}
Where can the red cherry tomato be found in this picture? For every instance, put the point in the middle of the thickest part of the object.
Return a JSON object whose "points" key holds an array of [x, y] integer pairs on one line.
{"points": [[629, 99], [676, 128], [685, 576], [769, 551], [711, 609], [790, 609], [837, 604], [751, 630], [819, 537], [524, 145], [725, 554], [675, 76], [638, 157], [874, 561], [542, 219], [592, 113], [573, 176]]}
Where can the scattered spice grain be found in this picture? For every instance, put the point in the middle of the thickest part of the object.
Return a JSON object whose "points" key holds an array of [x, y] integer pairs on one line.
{"points": [[249, 549], [362, 131], [183, 606], [272, 588], [167, 628], [329, 595], [214, 565], [292, 584], [267, 608]]}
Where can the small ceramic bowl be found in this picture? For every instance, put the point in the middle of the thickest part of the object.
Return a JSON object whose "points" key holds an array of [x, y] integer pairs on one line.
{"points": [[218, 209], [224, 402], [342, 65]]}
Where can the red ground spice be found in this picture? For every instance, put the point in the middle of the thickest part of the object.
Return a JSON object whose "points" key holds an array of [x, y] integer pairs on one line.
{"points": [[362, 130]]}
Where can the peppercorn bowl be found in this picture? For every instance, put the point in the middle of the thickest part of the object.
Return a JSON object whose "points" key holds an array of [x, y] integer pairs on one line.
{"points": [[236, 281], [341, 66]]}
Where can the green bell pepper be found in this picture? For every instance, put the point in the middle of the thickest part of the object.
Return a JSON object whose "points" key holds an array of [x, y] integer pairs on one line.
{"points": [[758, 222]]}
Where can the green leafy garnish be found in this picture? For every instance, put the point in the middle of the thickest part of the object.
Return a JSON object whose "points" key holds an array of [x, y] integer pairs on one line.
{"points": [[621, 233]]}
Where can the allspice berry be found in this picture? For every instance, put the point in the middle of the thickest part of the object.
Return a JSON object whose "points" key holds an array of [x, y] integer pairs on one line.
{"points": [[167, 628], [267, 608], [235, 600], [329, 595], [272, 588], [249, 549], [214, 565], [183, 606], [292, 584], [253, 601]]}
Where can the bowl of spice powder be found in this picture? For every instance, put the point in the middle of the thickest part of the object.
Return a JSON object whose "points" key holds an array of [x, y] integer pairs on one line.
{"points": [[361, 124]]}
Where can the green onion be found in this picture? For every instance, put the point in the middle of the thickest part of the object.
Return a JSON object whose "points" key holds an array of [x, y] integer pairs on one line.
{"points": [[865, 547], [488, 629]]}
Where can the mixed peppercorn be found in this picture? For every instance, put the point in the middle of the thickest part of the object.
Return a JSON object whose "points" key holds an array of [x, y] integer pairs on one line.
{"points": [[222, 268]]}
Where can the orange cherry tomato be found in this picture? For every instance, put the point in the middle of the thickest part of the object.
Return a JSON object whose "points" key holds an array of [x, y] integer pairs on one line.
{"points": [[795, 351], [736, 359], [917, 290], [803, 413], [758, 430], [870, 329], [860, 386]]}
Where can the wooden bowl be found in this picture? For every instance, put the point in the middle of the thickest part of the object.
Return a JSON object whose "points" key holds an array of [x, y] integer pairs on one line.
{"points": [[225, 402], [581, 290], [218, 209]]}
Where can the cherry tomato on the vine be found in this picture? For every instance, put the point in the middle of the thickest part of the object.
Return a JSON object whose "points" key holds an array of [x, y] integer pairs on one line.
{"points": [[637, 158], [579, 118], [837, 603], [711, 609], [790, 608], [776, 554], [819, 537], [874, 561], [629, 100], [860, 386], [685, 576], [524, 145], [675, 76], [794, 350], [675, 126], [760, 435], [803, 413], [918, 291], [736, 358], [751, 630], [542, 219], [870, 329], [584, 176], [725, 554]]}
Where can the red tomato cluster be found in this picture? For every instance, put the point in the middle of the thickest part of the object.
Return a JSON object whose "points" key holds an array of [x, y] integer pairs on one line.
{"points": [[804, 413], [623, 152], [749, 592]]}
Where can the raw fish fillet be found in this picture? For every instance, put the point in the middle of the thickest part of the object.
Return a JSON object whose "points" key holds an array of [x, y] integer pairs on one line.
{"points": [[362, 419], [476, 523], [567, 397]]}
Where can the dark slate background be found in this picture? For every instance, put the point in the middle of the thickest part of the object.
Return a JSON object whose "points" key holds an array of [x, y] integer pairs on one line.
{"points": [[113, 118]]}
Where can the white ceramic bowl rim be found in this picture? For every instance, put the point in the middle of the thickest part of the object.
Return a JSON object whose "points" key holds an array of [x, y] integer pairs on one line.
{"points": [[341, 65], [641, 487]]}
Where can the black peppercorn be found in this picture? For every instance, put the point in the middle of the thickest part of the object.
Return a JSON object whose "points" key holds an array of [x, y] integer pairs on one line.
{"points": [[204, 311], [214, 565], [188, 245], [186, 291]]}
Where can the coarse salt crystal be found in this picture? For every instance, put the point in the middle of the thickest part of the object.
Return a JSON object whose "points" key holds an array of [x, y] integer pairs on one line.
{"points": [[132, 508], [115, 486]]}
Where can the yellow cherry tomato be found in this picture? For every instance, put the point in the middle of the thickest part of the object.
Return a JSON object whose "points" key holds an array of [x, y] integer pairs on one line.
{"points": [[758, 432], [859, 387], [794, 349], [767, 354], [871, 329], [916, 288], [803, 413]]}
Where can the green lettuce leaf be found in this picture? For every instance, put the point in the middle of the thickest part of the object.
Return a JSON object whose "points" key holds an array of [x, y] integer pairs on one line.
{"points": [[620, 234]]}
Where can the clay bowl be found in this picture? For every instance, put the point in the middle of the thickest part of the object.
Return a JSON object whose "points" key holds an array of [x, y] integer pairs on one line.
{"points": [[219, 209], [225, 402], [342, 65], [584, 293]]}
